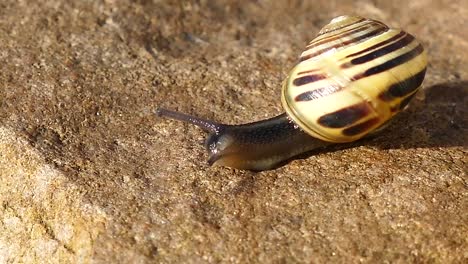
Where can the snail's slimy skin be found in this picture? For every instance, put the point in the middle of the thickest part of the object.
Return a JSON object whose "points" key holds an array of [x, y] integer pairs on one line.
{"points": [[254, 146]]}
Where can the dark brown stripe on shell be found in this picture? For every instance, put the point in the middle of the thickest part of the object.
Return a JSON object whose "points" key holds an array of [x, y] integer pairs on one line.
{"points": [[341, 34], [394, 109], [383, 51], [403, 88], [308, 71], [345, 43], [317, 93], [346, 116], [308, 79], [343, 26], [406, 101], [391, 63], [402, 33], [360, 128]]}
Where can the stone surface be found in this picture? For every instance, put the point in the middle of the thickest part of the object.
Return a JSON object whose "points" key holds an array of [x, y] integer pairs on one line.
{"points": [[89, 174]]}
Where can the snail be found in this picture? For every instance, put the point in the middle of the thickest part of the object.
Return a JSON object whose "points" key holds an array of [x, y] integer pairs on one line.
{"points": [[349, 82]]}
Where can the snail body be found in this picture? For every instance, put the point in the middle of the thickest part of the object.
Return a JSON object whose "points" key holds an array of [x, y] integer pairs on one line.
{"points": [[349, 82]]}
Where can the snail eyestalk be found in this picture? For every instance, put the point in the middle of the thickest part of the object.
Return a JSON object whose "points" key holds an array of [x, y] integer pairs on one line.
{"points": [[207, 125]]}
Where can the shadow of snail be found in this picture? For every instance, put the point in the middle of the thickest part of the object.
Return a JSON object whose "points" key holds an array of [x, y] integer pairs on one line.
{"points": [[351, 80]]}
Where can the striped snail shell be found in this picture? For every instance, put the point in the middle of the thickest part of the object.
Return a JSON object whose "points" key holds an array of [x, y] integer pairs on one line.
{"points": [[351, 79]]}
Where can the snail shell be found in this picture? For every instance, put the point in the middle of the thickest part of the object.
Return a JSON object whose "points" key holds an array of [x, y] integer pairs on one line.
{"points": [[351, 79]]}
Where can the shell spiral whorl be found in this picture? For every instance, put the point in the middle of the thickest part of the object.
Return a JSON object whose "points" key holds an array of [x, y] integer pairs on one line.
{"points": [[352, 78]]}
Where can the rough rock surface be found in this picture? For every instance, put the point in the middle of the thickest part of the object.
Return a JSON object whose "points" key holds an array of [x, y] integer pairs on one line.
{"points": [[88, 173]]}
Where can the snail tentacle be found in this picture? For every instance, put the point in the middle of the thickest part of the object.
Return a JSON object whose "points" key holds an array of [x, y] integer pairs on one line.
{"points": [[207, 125]]}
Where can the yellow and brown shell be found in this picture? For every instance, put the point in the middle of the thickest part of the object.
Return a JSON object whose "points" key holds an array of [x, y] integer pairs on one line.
{"points": [[352, 78]]}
